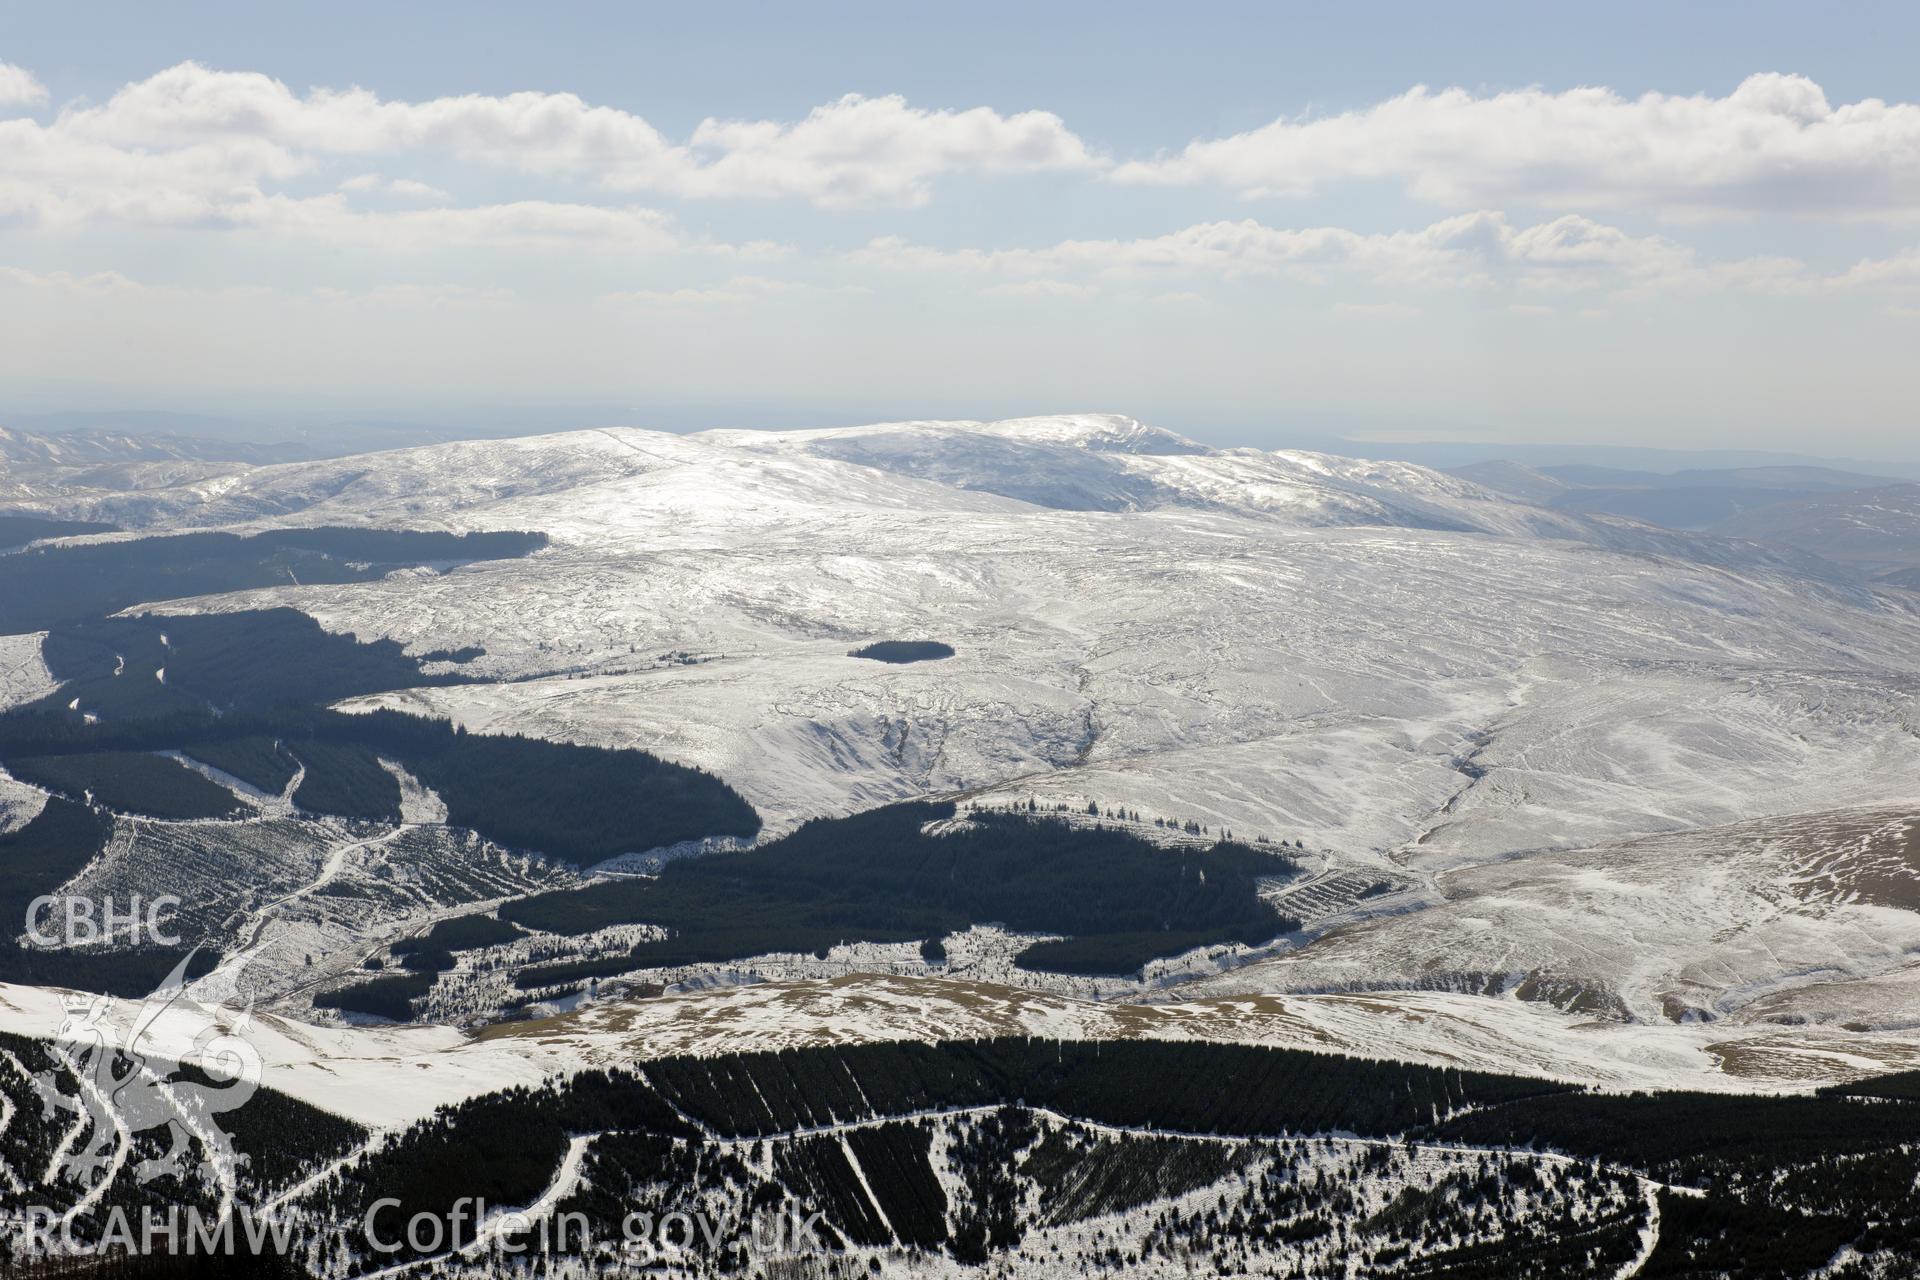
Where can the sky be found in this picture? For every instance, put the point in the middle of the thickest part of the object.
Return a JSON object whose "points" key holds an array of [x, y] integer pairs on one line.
{"points": [[1691, 226]]}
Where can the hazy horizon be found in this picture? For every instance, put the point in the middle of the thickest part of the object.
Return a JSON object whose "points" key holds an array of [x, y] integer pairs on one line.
{"points": [[318, 436]]}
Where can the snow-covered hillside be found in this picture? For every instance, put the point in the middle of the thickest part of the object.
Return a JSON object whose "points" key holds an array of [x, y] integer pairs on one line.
{"points": [[1544, 725], [1376, 657]]}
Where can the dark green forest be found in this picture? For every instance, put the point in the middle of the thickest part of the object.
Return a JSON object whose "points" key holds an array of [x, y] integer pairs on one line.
{"points": [[423, 958], [130, 782], [1040, 1131], [37, 859], [878, 877], [131, 668], [18, 531], [44, 586], [1184, 1086], [1764, 1210], [345, 779], [582, 804], [224, 688], [248, 693], [261, 763], [391, 997]]}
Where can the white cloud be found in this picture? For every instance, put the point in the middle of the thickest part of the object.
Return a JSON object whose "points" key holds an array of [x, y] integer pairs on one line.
{"points": [[740, 289], [688, 296], [19, 87], [406, 188], [524, 224], [1788, 277], [413, 190], [96, 283], [1773, 145], [54, 178], [1568, 255], [853, 151], [1473, 250], [1376, 310], [108, 285], [60, 178], [860, 151], [1040, 289], [1901, 271], [192, 147], [733, 292], [419, 297], [534, 132]]}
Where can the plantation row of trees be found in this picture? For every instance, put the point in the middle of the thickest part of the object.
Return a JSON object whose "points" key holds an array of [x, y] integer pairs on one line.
{"points": [[1481, 1215], [424, 958], [280, 1138], [1288, 1182], [506, 1146], [1803, 1173], [1188, 1086], [37, 859]]}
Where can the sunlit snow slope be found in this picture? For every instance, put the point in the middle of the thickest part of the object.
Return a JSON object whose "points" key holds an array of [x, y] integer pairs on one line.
{"points": [[1491, 703], [1377, 657]]}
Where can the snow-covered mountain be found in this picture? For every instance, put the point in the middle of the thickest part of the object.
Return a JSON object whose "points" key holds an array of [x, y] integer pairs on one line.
{"points": [[1576, 750], [1377, 657]]}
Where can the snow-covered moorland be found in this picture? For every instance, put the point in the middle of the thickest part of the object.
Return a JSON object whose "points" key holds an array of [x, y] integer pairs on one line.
{"points": [[1580, 757]]}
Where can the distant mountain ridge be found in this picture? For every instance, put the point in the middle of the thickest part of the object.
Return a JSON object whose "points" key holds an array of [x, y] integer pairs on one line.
{"points": [[1692, 499], [1864, 521], [93, 447], [1877, 529], [1095, 463]]}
